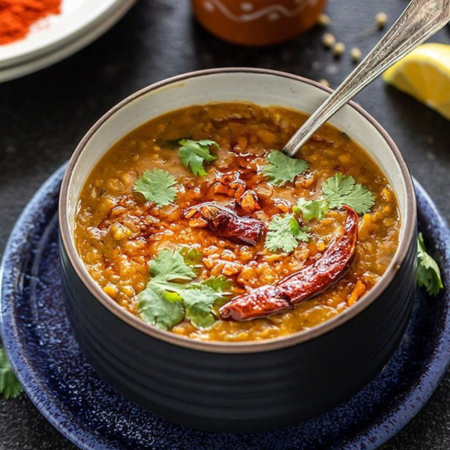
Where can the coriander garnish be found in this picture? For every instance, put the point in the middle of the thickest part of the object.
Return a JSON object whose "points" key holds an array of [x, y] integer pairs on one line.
{"points": [[311, 209], [192, 257], [285, 233], [337, 191], [157, 186], [170, 295], [428, 273], [194, 154], [341, 190], [9, 384], [281, 168]]}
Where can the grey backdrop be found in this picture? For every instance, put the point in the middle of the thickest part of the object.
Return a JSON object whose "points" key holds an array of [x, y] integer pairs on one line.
{"points": [[44, 115]]}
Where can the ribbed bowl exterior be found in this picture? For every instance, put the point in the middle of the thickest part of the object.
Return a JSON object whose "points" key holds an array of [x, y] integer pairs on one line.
{"points": [[241, 391]]}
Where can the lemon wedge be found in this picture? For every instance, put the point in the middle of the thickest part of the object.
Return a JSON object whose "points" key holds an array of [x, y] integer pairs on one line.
{"points": [[425, 74]]}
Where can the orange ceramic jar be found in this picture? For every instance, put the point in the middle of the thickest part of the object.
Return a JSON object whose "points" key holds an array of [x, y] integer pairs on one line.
{"points": [[257, 22]]}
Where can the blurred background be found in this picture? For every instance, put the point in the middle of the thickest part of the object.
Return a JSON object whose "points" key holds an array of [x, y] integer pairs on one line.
{"points": [[45, 114]]}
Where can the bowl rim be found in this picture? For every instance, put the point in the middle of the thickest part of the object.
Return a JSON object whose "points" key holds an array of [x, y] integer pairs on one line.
{"points": [[408, 224]]}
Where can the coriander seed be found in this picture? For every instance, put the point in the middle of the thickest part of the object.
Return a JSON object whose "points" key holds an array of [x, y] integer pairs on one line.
{"points": [[381, 20], [338, 50], [328, 40], [324, 20], [356, 54]]}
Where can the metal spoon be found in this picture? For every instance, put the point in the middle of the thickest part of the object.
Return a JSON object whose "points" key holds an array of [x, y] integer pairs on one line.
{"points": [[420, 20]]}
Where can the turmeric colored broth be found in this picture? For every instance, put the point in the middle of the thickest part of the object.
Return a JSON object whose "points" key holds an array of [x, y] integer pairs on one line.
{"points": [[117, 232]]}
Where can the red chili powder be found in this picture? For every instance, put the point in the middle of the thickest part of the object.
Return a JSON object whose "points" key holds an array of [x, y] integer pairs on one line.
{"points": [[17, 16]]}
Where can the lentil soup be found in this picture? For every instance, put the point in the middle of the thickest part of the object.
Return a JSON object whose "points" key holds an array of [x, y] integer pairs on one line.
{"points": [[230, 165]]}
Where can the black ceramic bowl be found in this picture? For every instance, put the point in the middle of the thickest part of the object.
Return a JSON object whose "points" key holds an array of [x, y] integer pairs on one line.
{"points": [[245, 386]]}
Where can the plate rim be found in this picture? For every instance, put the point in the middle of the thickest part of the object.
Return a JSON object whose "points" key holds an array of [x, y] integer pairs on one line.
{"points": [[102, 25], [429, 380], [67, 35]]}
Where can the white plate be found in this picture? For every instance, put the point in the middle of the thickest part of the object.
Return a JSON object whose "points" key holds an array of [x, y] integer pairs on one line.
{"points": [[80, 22]]}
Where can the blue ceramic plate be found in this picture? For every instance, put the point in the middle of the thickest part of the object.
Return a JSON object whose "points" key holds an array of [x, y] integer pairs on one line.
{"points": [[83, 408]]}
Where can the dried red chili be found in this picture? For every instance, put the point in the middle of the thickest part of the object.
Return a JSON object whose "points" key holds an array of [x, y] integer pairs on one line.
{"points": [[226, 223], [302, 285]]}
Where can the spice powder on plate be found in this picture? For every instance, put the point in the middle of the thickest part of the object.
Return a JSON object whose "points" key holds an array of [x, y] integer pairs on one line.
{"points": [[17, 16]]}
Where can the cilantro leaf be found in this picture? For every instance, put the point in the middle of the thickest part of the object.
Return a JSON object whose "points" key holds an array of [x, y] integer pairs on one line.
{"points": [[153, 305], [342, 190], [199, 303], [282, 168], [284, 233], [194, 154], [192, 257], [201, 298], [311, 208], [154, 308], [169, 265], [157, 186], [222, 285], [428, 273], [9, 384], [218, 284], [165, 301]]}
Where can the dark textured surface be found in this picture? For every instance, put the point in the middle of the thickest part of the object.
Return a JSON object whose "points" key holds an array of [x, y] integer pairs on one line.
{"points": [[85, 409], [42, 117]]}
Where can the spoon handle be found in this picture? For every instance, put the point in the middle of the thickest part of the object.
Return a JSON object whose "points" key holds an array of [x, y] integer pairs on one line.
{"points": [[420, 20]]}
